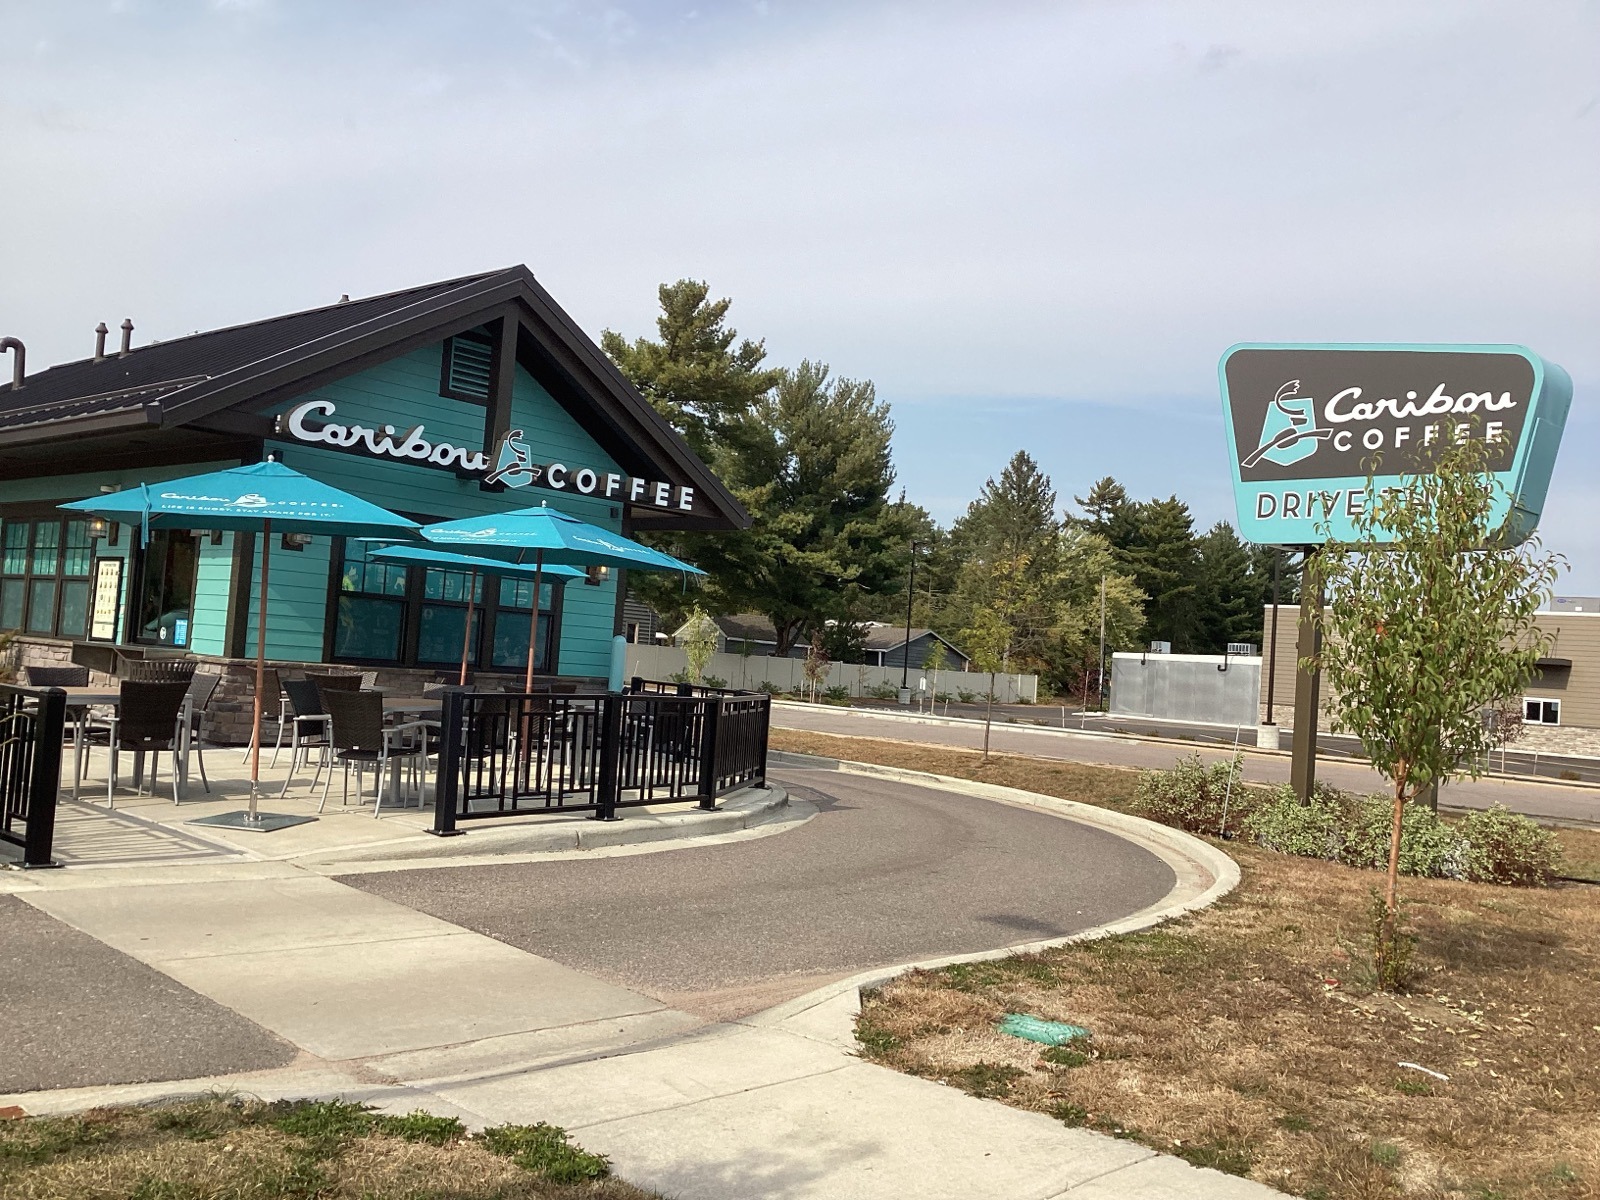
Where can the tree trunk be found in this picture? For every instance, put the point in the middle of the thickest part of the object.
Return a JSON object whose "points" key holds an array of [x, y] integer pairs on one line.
{"points": [[988, 717], [1391, 888]]}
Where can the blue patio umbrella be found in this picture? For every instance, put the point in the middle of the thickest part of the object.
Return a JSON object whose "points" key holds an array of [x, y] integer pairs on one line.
{"points": [[261, 496], [494, 568], [552, 537]]}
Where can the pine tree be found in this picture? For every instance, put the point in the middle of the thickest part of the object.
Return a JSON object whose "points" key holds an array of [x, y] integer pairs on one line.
{"points": [[1109, 513], [704, 385], [1164, 559], [1229, 597], [814, 470]]}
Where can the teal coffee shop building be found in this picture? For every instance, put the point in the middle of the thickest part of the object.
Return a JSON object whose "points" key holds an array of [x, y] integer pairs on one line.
{"points": [[455, 399]]}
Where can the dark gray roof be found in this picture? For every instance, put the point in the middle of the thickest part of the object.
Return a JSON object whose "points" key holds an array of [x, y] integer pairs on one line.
{"points": [[160, 370], [217, 380]]}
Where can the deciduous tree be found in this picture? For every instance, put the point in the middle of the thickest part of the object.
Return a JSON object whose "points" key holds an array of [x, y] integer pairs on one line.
{"points": [[1429, 621]]}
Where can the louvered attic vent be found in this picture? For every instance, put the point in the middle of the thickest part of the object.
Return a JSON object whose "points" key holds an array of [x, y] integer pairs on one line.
{"points": [[467, 364]]}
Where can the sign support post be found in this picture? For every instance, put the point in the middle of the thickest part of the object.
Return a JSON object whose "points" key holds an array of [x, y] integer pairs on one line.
{"points": [[1307, 688]]}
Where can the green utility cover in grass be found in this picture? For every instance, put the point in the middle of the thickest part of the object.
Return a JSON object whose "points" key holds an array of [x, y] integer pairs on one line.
{"points": [[1049, 1033]]}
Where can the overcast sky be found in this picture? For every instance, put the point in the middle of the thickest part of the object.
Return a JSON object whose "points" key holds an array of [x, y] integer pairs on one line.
{"points": [[1033, 225]]}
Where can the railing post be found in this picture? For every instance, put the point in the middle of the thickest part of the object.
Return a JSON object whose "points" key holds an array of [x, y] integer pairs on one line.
{"points": [[607, 792], [45, 786], [766, 729], [447, 782], [708, 751], [636, 685]]}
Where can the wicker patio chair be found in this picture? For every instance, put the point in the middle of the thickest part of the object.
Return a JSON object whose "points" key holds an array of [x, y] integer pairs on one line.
{"points": [[360, 739]]}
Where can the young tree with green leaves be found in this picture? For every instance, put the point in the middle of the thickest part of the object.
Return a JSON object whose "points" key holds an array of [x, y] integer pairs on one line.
{"points": [[1429, 622], [1009, 594]]}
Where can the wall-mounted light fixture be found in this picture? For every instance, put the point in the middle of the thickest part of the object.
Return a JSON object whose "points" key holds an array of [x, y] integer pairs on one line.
{"points": [[296, 541], [99, 527], [216, 537], [596, 575]]}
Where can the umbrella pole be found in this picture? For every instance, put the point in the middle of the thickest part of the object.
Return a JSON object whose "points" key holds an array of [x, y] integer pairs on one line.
{"points": [[261, 668], [533, 626], [466, 635]]}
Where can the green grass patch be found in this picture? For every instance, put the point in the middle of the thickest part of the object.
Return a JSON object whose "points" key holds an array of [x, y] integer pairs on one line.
{"points": [[546, 1151], [987, 1080], [1064, 1056]]}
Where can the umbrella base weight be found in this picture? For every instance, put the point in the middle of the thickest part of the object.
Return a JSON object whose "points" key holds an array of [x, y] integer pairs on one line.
{"points": [[261, 823]]}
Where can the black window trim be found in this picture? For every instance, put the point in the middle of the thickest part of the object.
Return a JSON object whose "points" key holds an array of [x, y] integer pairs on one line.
{"points": [[411, 620], [30, 511]]}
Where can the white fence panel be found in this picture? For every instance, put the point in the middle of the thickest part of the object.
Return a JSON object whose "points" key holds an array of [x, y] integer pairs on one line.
{"points": [[750, 671]]}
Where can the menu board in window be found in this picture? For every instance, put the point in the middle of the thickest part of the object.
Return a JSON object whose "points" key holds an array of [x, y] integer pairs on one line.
{"points": [[107, 599]]}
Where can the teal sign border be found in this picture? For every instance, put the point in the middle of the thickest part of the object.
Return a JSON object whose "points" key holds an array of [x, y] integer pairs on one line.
{"points": [[1522, 487]]}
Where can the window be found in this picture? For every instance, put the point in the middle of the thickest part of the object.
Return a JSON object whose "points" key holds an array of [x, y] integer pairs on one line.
{"points": [[369, 616], [467, 367], [44, 575], [386, 613], [443, 620], [512, 621], [1537, 711], [166, 588]]}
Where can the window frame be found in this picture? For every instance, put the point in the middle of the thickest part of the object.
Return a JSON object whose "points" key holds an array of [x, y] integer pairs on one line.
{"points": [[1544, 703], [30, 516], [414, 599]]}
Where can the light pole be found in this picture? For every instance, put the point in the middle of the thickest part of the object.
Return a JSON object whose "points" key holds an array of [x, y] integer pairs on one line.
{"points": [[905, 651], [1100, 685]]}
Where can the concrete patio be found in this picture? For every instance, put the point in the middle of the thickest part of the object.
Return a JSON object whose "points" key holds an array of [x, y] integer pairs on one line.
{"points": [[150, 830]]}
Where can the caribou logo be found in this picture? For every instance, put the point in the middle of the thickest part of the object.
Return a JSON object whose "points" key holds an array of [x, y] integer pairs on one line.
{"points": [[1289, 432]]}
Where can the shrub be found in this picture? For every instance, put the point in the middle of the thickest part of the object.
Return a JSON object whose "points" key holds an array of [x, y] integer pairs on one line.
{"points": [[1191, 795], [1428, 847], [884, 691], [713, 681], [770, 688], [1314, 830], [1507, 847], [1354, 830], [837, 691], [965, 696]]}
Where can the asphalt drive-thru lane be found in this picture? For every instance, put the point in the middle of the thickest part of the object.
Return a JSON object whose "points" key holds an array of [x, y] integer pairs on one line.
{"points": [[886, 872], [1546, 800]]}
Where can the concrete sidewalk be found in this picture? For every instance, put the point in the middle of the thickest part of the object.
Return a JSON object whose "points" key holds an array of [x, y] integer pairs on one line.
{"points": [[403, 1010]]}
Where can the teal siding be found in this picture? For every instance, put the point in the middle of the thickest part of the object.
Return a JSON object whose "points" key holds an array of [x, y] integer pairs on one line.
{"points": [[208, 623], [402, 393], [297, 599]]}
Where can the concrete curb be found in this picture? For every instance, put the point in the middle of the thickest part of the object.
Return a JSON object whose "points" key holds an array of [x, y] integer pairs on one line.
{"points": [[1204, 875], [740, 811]]}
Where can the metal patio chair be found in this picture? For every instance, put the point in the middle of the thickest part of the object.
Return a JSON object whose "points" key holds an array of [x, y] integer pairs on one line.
{"points": [[201, 688], [148, 720], [308, 727], [272, 695], [360, 739]]}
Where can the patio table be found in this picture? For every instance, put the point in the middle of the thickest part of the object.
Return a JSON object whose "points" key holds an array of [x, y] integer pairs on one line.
{"points": [[81, 699]]}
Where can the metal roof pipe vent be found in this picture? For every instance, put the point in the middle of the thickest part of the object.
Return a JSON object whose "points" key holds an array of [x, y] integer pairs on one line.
{"points": [[19, 363], [127, 336], [100, 332]]}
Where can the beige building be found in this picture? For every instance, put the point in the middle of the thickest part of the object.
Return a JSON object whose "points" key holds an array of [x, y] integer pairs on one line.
{"points": [[1561, 707]]}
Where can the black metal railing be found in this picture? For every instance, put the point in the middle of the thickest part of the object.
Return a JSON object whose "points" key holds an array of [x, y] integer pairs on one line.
{"points": [[31, 725], [513, 754]]}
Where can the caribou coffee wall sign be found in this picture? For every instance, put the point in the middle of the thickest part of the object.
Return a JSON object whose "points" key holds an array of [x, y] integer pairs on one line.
{"points": [[514, 466], [1308, 425]]}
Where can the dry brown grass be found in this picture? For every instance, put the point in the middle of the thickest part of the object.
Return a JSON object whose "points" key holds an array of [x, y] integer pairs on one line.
{"points": [[216, 1149], [1248, 1037]]}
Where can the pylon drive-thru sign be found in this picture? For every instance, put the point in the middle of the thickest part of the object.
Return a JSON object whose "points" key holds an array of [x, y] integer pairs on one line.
{"points": [[1314, 430]]}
